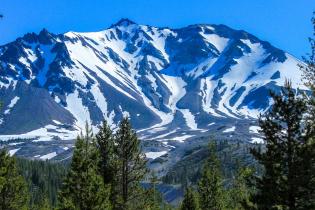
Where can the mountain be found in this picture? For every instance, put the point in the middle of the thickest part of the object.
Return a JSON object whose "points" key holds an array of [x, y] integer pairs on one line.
{"points": [[175, 84]]}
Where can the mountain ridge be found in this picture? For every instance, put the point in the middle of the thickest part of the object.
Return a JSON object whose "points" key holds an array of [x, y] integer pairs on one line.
{"points": [[165, 79]]}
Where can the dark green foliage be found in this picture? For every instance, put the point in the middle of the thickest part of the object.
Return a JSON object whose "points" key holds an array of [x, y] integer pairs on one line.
{"points": [[105, 147], [42, 205], [309, 68], [210, 186], [239, 193], [190, 201], [189, 168], [123, 166], [235, 165], [13, 189], [43, 178], [149, 200], [287, 161], [153, 199], [83, 187], [131, 165]]}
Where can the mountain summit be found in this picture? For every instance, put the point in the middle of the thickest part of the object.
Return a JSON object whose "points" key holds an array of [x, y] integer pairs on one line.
{"points": [[173, 83], [123, 22]]}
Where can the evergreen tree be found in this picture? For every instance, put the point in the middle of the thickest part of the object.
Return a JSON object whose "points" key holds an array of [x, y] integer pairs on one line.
{"points": [[149, 200], [239, 193], [42, 205], [286, 161], [152, 199], [309, 152], [309, 68], [44, 179], [83, 188], [13, 190], [131, 164], [105, 146], [210, 186], [190, 201]]}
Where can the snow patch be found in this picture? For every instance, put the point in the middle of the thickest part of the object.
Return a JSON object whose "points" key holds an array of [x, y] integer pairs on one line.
{"points": [[219, 42], [254, 129], [182, 138], [13, 151], [48, 133], [257, 140], [228, 130], [48, 156], [11, 105], [78, 110], [154, 155], [189, 118]]}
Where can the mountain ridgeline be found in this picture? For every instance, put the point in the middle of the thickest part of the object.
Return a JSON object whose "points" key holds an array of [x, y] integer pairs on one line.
{"points": [[187, 81]]}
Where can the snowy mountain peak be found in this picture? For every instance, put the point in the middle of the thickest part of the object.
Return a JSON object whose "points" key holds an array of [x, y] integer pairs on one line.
{"points": [[179, 79]]}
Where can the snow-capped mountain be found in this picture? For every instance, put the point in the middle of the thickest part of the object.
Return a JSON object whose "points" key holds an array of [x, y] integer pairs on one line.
{"points": [[173, 83]]}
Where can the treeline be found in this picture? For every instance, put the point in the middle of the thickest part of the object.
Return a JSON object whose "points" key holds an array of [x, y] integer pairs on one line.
{"points": [[43, 179], [232, 156], [211, 192]]}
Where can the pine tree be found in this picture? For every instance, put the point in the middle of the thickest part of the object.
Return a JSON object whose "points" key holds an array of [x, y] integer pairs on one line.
{"points": [[105, 147], [286, 167], [309, 68], [42, 205], [152, 199], [149, 200], [83, 188], [239, 193], [309, 152], [13, 190], [210, 186], [44, 179], [190, 201], [131, 164]]}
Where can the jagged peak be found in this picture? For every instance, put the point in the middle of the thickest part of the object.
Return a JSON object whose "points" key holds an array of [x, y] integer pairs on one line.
{"points": [[124, 22], [45, 37], [44, 31]]}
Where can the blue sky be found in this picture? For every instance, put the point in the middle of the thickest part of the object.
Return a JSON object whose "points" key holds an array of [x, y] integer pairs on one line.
{"points": [[284, 23]]}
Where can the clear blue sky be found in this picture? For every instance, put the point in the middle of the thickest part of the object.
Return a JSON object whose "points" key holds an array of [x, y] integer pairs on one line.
{"points": [[284, 23]]}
